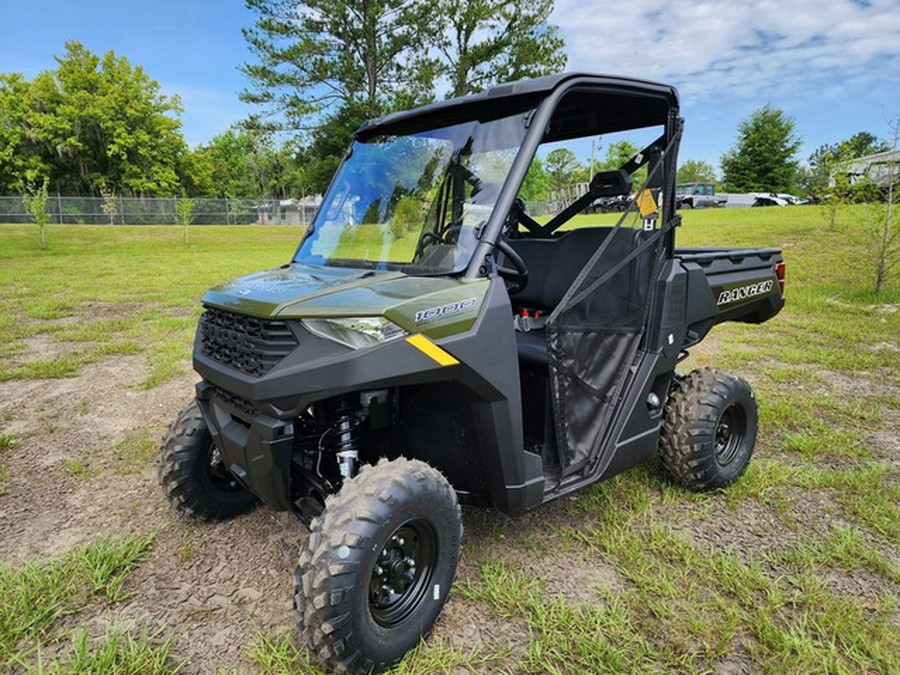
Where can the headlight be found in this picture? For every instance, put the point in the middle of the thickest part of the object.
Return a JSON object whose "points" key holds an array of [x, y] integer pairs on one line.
{"points": [[357, 332]]}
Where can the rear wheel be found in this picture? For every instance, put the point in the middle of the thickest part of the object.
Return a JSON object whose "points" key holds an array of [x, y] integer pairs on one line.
{"points": [[376, 569], [192, 474], [709, 429]]}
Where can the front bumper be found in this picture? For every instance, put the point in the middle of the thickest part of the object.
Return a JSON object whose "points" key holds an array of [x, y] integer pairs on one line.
{"points": [[250, 416], [255, 448]]}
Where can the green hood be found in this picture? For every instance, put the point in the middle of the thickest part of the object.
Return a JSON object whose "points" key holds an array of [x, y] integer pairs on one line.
{"points": [[304, 291]]}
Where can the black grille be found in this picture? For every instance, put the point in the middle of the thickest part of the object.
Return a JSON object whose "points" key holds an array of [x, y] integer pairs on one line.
{"points": [[253, 346], [233, 400]]}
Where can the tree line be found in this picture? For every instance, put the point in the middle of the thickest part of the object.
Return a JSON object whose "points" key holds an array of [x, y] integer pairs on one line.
{"points": [[97, 125], [764, 158]]}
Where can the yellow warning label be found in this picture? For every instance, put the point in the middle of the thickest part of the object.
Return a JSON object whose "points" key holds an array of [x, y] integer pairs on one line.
{"points": [[646, 203]]}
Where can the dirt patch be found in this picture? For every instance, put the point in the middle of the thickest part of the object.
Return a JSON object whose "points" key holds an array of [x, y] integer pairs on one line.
{"points": [[472, 626], [96, 309], [754, 531], [44, 347], [886, 445], [214, 585]]}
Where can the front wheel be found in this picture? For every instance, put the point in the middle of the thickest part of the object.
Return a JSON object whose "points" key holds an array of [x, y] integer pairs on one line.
{"points": [[192, 474], [709, 429], [377, 566]]}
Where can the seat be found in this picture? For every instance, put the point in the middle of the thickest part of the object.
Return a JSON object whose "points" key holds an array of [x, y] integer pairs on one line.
{"points": [[553, 265]]}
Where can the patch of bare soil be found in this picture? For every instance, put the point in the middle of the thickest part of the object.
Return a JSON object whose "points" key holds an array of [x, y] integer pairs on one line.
{"points": [[472, 626], [43, 347], [214, 585], [531, 545], [97, 309], [752, 530]]}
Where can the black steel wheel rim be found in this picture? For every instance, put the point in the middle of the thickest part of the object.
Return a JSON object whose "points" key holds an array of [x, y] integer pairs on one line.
{"points": [[220, 477], [730, 431], [402, 573]]}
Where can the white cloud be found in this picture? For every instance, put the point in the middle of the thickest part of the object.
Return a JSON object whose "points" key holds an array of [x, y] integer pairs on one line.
{"points": [[738, 49]]}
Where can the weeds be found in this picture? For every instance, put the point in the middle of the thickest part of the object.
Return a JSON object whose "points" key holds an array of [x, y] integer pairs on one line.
{"points": [[34, 596], [135, 451], [119, 652], [80, 469]]}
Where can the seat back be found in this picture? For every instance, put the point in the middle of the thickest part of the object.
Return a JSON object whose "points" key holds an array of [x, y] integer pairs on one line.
{"points": [[554, 263]]}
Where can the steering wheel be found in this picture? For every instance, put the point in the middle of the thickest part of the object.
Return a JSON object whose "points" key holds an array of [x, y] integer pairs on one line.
{"points": [[428, 236], [451, 234], [517, 275]]}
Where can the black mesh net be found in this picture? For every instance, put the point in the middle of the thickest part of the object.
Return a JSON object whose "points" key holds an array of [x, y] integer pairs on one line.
{"points": [[595, 331], [592, 336]]}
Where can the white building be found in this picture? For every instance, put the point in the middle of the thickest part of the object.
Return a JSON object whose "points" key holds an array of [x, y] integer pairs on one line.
{"points": [[881, 168]]}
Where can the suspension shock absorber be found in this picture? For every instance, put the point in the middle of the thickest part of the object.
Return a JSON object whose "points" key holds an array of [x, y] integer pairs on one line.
{"points": [[347, 432]]}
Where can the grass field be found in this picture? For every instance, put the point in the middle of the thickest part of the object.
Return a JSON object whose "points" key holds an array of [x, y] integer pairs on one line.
{"points": [[794, 568]]}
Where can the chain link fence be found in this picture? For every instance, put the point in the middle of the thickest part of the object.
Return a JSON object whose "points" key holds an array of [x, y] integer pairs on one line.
{"points": [[161, 211]]}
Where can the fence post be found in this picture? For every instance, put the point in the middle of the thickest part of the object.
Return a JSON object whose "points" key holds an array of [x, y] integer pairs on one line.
{"points": [[59, 207], [122, 209]]}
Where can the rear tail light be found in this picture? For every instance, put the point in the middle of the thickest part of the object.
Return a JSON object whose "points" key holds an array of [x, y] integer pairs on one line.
{"points": [[779, 273]]}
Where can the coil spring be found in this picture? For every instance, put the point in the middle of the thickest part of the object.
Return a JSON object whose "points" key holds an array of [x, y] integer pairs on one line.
{"points": [[346, 426]]}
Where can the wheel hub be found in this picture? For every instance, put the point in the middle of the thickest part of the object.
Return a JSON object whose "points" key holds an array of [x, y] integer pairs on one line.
{"points": [[729, 434], [402, 573]]}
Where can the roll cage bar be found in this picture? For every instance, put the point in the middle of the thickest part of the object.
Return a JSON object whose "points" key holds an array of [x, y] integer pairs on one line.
{"points": [[602, 184]]}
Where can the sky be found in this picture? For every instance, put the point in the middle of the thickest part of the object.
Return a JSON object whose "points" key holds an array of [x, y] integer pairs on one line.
{"points": [[832, 65]]}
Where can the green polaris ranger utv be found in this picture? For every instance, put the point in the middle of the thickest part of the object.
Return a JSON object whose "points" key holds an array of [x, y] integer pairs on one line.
{"points": [[433, 343]]}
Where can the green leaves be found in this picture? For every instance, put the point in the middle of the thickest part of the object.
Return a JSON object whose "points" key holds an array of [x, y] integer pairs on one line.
{"points": [[484, 42], [92, 121], [763, 159], [318, 60], [696, 171]]}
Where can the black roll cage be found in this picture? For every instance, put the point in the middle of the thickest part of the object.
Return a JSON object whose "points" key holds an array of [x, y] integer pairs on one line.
{"points": [[640, 104], [539, 128]]}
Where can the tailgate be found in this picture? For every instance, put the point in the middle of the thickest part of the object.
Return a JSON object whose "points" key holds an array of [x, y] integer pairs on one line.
{"points": [[743, 281]]}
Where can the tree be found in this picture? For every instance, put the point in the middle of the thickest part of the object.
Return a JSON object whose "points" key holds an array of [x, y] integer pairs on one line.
{"points": [[562, 165], [22, 159], [827, 178], [696, 171], [620, 153], [537, 182], [828, 157], [184, 215], [763, 159], [110, 204], [244, 163], [35, 201], [316, 57], [484, 42], [886, 231], [92, 121]]}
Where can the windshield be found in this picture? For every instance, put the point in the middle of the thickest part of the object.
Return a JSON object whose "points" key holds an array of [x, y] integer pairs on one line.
{"points": [[413, 202]]}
